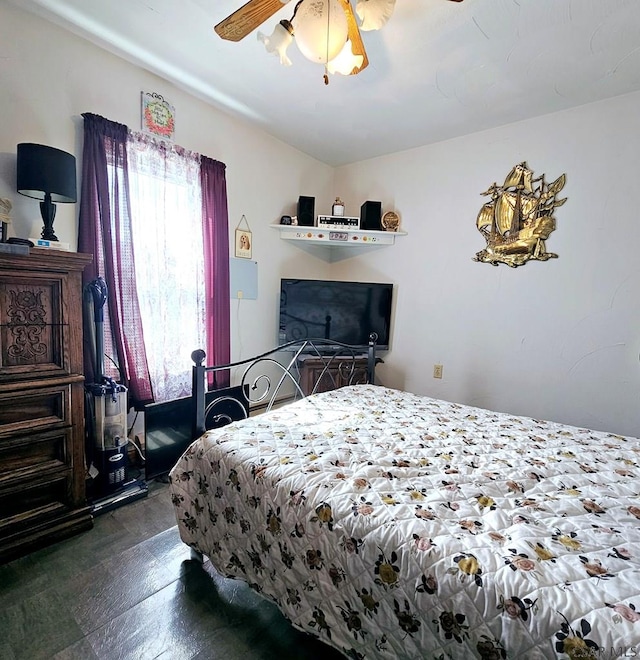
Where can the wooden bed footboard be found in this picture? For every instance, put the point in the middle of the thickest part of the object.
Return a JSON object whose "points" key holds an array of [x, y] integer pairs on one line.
{"points": [[277, 376]]}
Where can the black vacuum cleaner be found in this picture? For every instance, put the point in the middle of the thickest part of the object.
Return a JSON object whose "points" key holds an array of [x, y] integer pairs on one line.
{"points": [[106, 420]]}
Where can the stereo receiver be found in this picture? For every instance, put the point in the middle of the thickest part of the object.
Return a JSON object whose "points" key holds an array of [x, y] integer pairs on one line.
{"points": [[338, 222]]}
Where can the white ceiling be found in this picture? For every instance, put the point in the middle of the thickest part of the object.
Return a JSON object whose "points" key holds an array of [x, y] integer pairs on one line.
{"points": [[437, 70]]}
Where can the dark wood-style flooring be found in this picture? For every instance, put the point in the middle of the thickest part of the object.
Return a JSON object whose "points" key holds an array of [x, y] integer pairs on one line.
{"points": [[127, 589]]}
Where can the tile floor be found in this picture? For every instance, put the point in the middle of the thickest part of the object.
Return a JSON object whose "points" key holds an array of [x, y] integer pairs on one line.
{"points": [[127, 590]]}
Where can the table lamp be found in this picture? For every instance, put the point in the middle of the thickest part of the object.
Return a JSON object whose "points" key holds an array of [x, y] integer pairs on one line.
{"points": [[47, 174]]}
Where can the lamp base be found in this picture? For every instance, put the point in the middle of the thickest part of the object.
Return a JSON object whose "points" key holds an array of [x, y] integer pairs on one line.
{"points": [[48, 235], [48, 213]]}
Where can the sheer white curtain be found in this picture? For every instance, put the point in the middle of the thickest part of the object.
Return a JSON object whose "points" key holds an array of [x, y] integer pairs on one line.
{"points": [[166, 212]]}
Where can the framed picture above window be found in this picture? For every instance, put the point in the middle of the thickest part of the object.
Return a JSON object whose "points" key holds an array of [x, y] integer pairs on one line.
{"points": [[158, 116]]}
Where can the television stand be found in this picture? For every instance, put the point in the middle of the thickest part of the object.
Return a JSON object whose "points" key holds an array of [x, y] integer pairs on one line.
{"points": [[337, 374]]}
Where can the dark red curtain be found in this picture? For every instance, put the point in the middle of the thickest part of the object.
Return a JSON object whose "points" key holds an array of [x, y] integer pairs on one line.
{"points": [[215, 227], [105, 231]]}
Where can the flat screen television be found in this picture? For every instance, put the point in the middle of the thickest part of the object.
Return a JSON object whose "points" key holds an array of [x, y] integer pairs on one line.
{"points": [[346, 312]]}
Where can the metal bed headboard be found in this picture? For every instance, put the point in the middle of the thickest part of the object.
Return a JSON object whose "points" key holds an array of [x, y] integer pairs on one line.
{"points": [[266, 381]]}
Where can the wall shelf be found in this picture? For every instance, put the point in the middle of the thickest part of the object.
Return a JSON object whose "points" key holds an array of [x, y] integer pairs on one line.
{"points": [[338, 237]]}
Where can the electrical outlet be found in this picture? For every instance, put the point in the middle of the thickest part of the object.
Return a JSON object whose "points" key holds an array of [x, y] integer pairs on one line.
{"points": [[437, 371]]}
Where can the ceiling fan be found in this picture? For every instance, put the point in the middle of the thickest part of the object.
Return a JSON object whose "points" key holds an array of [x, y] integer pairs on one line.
{"points": [[326, 30]]}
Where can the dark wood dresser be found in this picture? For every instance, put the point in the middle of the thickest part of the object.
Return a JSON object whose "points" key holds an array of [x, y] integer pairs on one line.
{"points": [[42, 467]]}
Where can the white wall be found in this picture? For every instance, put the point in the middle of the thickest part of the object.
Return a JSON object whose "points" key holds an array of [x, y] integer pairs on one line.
{"points": [[557, 339], [50, 76]]}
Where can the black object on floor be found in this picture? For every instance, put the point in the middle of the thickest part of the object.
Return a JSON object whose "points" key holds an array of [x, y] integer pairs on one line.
{"points": [[129, 492]]}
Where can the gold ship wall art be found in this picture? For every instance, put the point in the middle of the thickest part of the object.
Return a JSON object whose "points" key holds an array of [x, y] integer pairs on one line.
{"points": [[518, 219]]}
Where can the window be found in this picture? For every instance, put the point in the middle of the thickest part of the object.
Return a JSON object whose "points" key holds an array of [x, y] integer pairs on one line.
{"points": [[154, 215], [166, 223]]}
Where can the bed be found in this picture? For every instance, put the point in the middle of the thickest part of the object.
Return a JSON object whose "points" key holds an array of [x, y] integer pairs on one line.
{"points": [[392, 525]]}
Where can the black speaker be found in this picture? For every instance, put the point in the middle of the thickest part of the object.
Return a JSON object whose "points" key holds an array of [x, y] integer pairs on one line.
{"points": [[370, 216], [306, 211]]}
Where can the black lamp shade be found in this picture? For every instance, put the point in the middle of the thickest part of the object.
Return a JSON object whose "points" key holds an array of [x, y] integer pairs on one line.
{"points": [[43, 170]]}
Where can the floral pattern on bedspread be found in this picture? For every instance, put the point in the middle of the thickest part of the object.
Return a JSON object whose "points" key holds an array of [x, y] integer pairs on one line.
{"points": [[393, 525]]}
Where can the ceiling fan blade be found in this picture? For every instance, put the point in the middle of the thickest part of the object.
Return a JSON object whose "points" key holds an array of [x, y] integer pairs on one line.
{"points": [[353, 34], [251, 15]]}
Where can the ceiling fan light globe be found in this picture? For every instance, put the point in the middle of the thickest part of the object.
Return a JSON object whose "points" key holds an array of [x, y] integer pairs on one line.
{"points": [[374, 13], [279, 41], [321, 29], [345, 62]]}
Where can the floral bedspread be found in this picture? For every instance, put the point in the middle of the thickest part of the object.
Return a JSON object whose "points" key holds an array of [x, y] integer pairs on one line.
{"points": [[392, 525]]}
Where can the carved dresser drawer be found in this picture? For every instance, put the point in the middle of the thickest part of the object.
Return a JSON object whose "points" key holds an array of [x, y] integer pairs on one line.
{"points": [[44, 407], [42, 471], [27, 456]]}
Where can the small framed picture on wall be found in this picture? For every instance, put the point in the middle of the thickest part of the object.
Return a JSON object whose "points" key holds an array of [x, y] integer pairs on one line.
{"points": [[243, 243], [158, 116]]}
